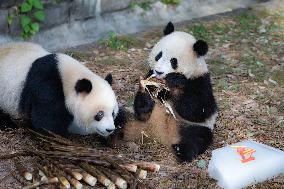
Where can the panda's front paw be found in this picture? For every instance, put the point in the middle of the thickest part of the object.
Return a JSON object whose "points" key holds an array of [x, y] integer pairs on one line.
{"points": [[143, 106], [175, 80], [185, 152]]}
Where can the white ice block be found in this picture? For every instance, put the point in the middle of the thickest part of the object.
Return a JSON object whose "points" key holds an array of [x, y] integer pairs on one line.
{"points": [[231, 173]]}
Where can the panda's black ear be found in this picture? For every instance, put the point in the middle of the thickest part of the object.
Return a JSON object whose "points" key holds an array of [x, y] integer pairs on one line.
{"points": [[109, 78], [200, 47], [169, 28], [83, 85]]}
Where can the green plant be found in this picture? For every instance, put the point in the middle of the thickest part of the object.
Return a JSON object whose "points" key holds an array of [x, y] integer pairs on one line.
{"points": [[173, 2], [247, 22], [31, 14], [200, 31], [114, 42], [121, 42], [146, 5]]}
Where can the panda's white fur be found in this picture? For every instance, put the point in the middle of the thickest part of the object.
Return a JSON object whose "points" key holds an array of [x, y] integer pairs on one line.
{"points": [[16, 60], [189, 64], [84, 107]]}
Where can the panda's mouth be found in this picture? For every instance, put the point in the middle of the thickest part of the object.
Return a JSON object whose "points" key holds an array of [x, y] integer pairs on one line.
{"points": [[102, 133]]}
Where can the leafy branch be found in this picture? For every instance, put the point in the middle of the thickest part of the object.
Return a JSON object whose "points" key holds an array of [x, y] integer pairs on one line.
{"points": [[31, 14]]}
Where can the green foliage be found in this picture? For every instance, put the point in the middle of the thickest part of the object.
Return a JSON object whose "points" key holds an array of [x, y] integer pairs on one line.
{"points": [[173, 2], [247, 22], [146, 5], [200, 31], [123, 43], [10, 19], [114, 43], [30, 13]]}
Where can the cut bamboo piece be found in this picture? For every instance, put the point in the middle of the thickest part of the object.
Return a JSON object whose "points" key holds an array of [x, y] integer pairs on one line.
{"points": [[96, 173], [118, 181], [152, 167], [43, 177], [75, 174], [24, 172], [130, 167], [111, 186], [75, 183], [28, 176], [142, 174], [89, 179], [53, 180], [64, 182]]}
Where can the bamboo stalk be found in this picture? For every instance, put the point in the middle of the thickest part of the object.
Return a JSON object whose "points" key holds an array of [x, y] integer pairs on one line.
{"points": [[53, 180], [64, 181], [89, 179], [142, 174], [75, 183], [23, 171], [96, 173], [152, 167], [13, 155], [118, 181], [111, 186], [130, 167]]}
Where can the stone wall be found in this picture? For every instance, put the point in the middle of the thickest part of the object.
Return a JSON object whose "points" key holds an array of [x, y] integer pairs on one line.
{"points": [[75, 22], [61, 11]]}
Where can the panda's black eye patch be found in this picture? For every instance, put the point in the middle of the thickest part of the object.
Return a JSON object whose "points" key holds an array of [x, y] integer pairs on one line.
{"points": [[113, 113], [99, 116], [174, 63], [159, 56], [83, 85]]}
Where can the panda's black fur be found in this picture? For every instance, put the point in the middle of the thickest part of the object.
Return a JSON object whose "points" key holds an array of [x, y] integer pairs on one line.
{"points": [[45, 106], [192, 99]]}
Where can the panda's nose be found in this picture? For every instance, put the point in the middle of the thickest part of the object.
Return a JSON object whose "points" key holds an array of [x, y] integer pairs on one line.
{"points": [[159, 73], [109, 130]]}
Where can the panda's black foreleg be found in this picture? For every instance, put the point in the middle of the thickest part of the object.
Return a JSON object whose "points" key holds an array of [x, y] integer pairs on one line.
{"points": [[143, 105], [54, 118], [119, 122], [6, 121], [194, 141]]}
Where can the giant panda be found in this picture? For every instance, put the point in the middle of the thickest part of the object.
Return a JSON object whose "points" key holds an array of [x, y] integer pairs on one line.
{"points": [[55, 92], [178, 59]]}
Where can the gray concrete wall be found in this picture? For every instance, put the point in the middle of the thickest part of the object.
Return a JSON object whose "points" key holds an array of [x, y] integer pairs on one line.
{"points": [[75, 22]]}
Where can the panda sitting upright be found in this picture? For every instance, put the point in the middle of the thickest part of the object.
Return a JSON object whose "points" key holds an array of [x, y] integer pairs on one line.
{"points": [[55, 92], [178, 59]]}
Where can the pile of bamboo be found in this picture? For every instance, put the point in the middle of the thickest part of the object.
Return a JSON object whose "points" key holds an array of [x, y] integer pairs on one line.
{"points": [[68, 165]]}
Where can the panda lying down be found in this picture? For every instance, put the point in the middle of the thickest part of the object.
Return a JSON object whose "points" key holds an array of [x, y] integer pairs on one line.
{"points": [[178, 59], [55, 92]]}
